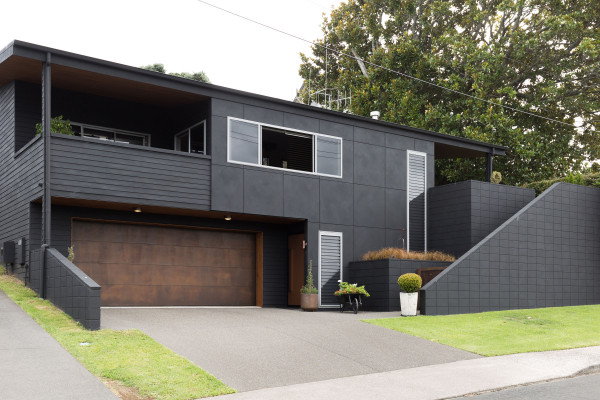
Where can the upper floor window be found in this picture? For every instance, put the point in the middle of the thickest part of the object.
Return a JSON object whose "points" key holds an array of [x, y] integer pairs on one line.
{"points": [[192, 139], [110, 135], [277, 147]]}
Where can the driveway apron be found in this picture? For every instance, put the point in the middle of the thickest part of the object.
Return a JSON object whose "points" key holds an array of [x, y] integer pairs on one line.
{"points": [[255, 348]]}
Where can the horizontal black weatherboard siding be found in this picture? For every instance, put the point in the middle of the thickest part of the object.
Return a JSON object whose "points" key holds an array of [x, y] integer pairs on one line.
{"points": [[20, 174], [546, 255], [92, 170]]}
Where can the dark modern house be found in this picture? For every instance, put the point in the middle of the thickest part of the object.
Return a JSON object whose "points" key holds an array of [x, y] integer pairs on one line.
{"points": [[175, 192]]}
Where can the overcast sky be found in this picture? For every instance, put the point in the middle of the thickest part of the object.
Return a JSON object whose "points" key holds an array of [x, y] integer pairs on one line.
{"points": [[184, 35]]}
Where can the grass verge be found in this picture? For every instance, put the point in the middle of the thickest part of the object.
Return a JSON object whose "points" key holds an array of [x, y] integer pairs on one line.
{"points": [[122, 359], [506, 332]]}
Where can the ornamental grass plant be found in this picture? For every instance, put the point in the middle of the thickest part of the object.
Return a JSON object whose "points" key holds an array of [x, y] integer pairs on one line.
{"points": [[402, 254]]}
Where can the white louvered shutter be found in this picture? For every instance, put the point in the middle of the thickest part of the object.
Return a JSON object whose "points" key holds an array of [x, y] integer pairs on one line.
{"points": [[330, 267], [417, 201]]}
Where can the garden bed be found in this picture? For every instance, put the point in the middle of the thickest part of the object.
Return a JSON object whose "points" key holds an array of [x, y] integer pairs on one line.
{"points": [[380, 277]]}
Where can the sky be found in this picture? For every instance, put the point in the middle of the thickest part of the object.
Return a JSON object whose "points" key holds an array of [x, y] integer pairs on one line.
{"points": [[184, 35]]}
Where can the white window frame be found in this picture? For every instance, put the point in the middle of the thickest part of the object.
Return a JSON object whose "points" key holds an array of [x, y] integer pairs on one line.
{"points": [[341, 236], [188, 130], [420, 153], [146, 136], [259, 160]]}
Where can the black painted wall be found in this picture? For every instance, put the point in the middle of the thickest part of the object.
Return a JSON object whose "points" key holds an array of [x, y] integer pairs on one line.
{"points": [[20, 173], [275, 240], [89, 169], [67, 287], [368, 204], [546, 255], [380, 278], [462, 214]]}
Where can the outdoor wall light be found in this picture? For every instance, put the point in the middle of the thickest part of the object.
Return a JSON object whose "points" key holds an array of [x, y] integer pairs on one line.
{"points": [[137, 209], [228, 218]]}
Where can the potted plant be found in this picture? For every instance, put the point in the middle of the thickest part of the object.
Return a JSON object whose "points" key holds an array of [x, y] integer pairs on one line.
{"points": [[409, 293], [350, 294], [309, 295]]}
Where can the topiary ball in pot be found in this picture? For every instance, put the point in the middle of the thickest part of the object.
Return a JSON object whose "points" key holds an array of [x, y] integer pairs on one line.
{"points": [[410, 283], [409, 295]]}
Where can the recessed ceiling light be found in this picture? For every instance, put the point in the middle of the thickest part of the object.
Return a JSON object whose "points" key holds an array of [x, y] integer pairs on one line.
{"points": [[137, 209], [228, 218]]}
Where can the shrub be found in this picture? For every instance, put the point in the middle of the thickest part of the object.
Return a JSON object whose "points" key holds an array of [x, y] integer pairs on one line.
{"points": [[496, 177], [57, 125], [410, 283], [402, 254], [351, 288], [309, 287], [592, 180], [71, 256]]}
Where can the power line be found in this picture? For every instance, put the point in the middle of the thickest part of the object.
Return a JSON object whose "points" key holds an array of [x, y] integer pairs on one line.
{"points": [[385, 68]]}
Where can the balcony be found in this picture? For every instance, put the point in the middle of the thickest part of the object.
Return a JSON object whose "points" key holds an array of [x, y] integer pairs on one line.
{"points": [[93, 170]]}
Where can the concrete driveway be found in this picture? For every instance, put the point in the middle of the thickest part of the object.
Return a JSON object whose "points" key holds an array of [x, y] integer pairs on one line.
{"points": [[255, 348]]}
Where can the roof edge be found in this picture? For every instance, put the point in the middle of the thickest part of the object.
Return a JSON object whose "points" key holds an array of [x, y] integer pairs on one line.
{"points": [[38, 52]]}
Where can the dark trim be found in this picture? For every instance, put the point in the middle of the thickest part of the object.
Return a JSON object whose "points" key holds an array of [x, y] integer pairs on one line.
{"points": [[489, 166], [130, 146], [28, 145], [73, 60], [47, 115], [7, 51]]}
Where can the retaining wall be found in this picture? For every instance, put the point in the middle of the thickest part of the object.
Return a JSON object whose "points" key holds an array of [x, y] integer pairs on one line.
{"points": [[461, 214], [380, 278], [67, 287], [546, 255]]}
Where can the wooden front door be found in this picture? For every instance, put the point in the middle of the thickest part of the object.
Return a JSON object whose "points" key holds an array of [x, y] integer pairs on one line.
{"points": [[296, 268], [151, 265]]}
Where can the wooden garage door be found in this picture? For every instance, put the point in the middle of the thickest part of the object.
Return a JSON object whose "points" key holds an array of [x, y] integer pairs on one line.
{"points": [[142, 265]]}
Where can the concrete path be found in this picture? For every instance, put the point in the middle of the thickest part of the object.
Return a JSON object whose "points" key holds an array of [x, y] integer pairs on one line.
{"points": [[441, 381], [254, 348], [34, 366]]}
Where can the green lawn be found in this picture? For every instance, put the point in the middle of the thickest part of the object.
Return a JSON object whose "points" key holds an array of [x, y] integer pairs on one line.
{"points": [[122, 359], [506, 332]]}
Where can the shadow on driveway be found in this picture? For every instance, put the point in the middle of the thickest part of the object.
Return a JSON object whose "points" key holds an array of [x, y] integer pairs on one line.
{"points": [[255, 348]]}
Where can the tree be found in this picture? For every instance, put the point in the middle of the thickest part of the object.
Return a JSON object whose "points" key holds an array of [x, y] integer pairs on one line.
{"points": [[539, 56], [196, 76]]}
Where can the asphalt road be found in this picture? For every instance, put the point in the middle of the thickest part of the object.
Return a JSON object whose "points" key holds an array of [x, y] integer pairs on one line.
{"points": [[585, 387]]}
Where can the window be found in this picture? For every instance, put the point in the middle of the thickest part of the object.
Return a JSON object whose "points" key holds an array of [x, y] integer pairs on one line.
{"points": [[110, 135], [276, 147], [192, 139], [329, 152]]}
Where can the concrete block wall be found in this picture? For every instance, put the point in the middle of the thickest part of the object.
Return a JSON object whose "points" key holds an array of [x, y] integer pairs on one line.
{"points": [[546, 255], [462, 214], [380, 278], [67, 287]]}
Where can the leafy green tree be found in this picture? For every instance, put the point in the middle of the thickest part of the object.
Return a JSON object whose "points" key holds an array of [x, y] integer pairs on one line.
{"points": [[196, 76], [156, 68], [539, 56]]}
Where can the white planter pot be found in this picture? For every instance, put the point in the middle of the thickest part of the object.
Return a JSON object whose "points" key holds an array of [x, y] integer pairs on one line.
{"points": [[408, 303]]}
